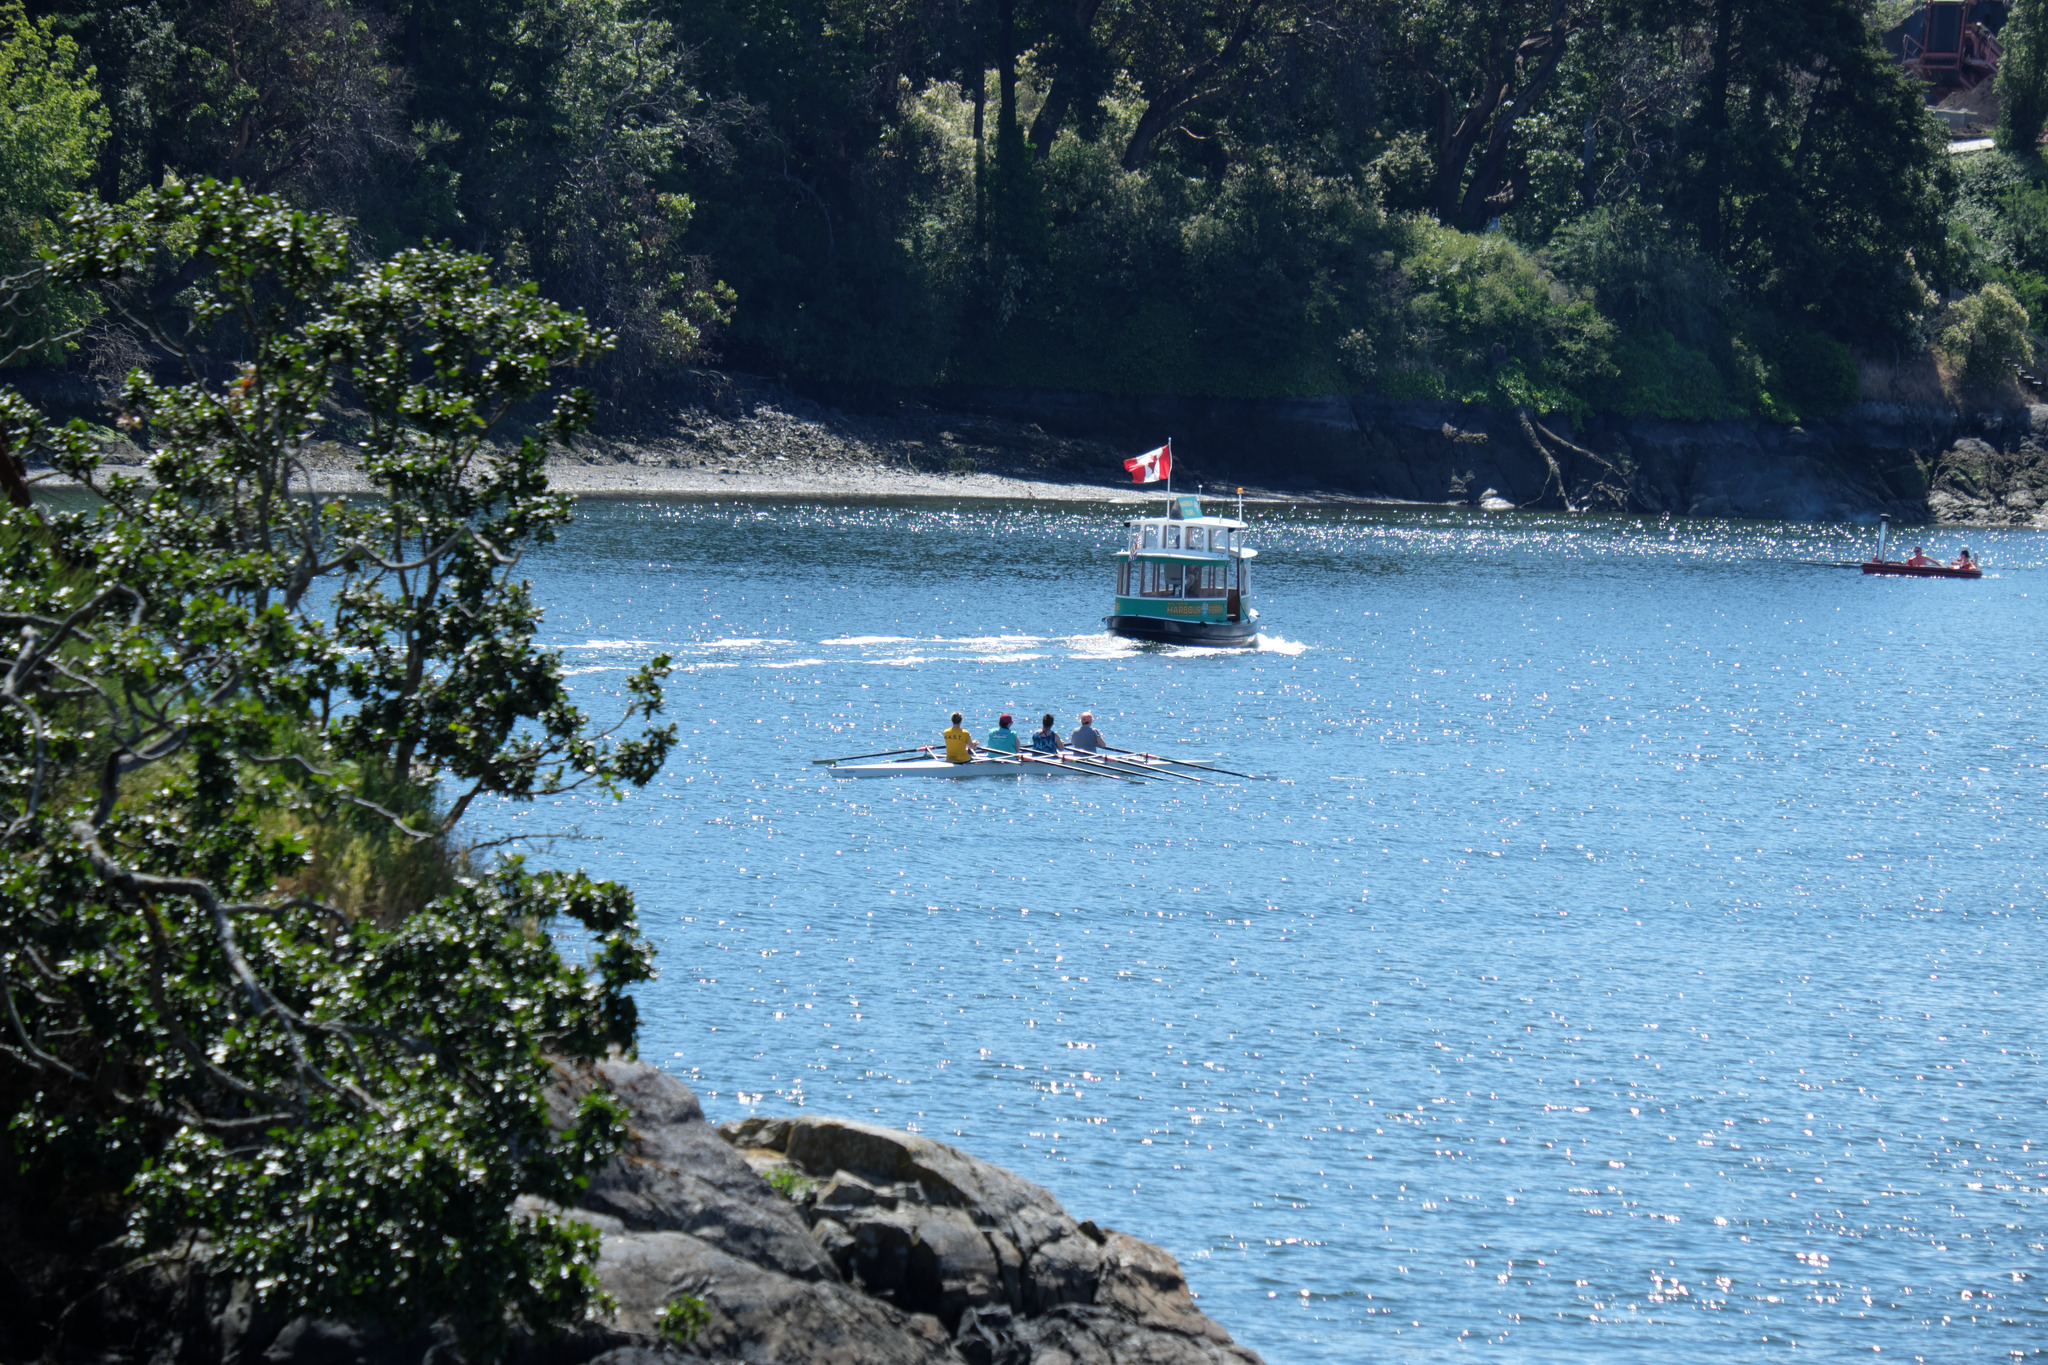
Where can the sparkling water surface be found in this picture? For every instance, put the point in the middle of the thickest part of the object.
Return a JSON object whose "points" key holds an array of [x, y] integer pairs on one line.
{"points": [[1628, 944]]}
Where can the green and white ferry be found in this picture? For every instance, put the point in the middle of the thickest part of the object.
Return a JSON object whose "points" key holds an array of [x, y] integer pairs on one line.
{"points": [[1180, 579]]}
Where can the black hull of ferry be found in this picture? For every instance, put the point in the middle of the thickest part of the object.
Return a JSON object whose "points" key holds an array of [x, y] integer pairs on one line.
{"points": [[1208, 634]]}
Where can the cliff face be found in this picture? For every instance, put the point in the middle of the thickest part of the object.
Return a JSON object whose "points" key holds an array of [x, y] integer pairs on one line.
{"points": [[872, 1247], [1918, 464]]}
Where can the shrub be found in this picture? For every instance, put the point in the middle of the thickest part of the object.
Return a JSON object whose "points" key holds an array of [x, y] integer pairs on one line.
{"points": [[1985, 335], [1475, 304], [1813, 374], [1658, 376]]}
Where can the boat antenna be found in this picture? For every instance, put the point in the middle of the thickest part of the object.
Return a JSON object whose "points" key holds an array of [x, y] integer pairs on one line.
{"points": [[1884, 526], [1240, 504]]}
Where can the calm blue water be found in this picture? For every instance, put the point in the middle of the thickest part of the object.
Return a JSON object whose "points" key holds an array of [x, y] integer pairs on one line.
{"points": [[1631, 945]]}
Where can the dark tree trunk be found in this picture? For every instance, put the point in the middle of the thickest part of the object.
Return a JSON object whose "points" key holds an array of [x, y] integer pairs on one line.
{"points": [[1478, 204], [1715, 171], [1207, 82], [1052, 115]]}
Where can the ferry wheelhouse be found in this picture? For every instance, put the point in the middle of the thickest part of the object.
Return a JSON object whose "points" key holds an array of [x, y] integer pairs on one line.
{"points": [[1180, 579]]}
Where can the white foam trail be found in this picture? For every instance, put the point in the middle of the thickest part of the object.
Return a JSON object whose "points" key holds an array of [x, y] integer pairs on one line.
{"points": [[869, 640], [594, 668], [903, 662], [618, 644], [1103, 646], [732, 644], [1004, 658], [799, 663], [990, 641], [1274, 644]]}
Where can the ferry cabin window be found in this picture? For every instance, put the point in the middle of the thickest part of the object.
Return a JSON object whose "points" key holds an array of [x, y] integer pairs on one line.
{"points": [[1173, 537], [1161, 580], [1151, 537], [1197, 537], [1123, 578]]}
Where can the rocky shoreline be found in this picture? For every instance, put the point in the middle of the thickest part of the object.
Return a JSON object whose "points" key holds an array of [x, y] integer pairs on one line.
{"points": [[791, 1241], [741, 436]]}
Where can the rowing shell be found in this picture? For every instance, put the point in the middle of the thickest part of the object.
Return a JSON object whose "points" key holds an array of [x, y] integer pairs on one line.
{"points": [[980, 767], [1896, 570]]}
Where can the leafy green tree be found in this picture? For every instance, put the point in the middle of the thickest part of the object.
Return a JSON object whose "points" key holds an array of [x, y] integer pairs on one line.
{"points": [[608, 231], [51, 128], [206, 667], [2023, 77], [1985, 335], [1483, 70]]}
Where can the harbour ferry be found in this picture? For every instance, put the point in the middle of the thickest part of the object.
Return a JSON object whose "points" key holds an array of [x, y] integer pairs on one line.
{"points": [[1180, 579]]}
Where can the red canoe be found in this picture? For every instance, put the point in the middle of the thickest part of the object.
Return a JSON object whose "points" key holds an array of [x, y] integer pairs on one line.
{"points": [[1886, 566]]}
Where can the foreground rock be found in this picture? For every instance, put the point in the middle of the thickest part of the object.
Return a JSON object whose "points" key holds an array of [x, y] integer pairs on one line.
{"points": [[894, 1248], [887, 1249]]}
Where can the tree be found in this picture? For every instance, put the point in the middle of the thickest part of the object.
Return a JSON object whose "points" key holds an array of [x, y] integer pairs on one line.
{"points": [[1186, 55], [625, 111], [51, 128], [2023, 77], [212, 674], [1485, 68], [1819, 181]]}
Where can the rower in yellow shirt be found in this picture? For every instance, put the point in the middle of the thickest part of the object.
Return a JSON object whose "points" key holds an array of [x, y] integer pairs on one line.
{"points": [[959, 744]]}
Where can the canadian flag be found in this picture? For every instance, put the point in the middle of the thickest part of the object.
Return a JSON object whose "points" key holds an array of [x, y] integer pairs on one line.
{"points": [[1152, 466]]}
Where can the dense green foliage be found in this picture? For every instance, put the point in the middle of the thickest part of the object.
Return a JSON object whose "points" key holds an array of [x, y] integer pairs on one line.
{"points": [[2023, 77], [1233, 197], [51, 131], [214, 673]]}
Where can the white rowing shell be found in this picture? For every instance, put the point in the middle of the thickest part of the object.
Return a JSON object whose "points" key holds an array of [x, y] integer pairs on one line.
{"points": [[939, 767]]}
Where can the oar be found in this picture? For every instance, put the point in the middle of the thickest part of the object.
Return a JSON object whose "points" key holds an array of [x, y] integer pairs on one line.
{"points": [[1162, 758], [1126, 766], [1022, 759], [1080, 758], [886, 753]]}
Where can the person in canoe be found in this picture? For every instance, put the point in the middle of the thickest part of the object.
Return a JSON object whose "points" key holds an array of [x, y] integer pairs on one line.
{"points": [[1086, 737], [959, 743], [1919, 560], [1046, 740], [1963, 560], [1002, 739]]}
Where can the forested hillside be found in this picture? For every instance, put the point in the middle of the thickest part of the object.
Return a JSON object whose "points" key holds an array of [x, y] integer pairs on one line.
{"points": [[1691, 208]]}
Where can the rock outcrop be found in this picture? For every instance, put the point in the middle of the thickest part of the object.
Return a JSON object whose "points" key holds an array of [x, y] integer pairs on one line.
{"points": [[992, 1257], [799, 1241], [888, 1247], [1978, 484]]}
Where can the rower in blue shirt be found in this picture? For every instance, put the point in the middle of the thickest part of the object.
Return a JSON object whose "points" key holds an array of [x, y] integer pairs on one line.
{"points": [[1002, 739], [1047, 740]]}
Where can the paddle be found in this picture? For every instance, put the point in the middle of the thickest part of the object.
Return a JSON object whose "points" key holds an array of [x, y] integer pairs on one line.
{"points": [[1126, 766], [1020, 758], [886, 753], [1162, 758]]}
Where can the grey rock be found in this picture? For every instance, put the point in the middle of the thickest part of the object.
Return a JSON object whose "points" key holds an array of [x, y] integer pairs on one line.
{"points": [[676, 1174], [756, 1314], [1075, 1335], [988, 1254], [1976, 483]]}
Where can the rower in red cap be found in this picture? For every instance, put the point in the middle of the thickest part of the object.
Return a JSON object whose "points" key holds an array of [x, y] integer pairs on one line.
{"points": [[1002, 739]]}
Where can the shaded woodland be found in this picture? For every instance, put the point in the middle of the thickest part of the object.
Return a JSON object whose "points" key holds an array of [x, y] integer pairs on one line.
{"points": [[1687, 208]]}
